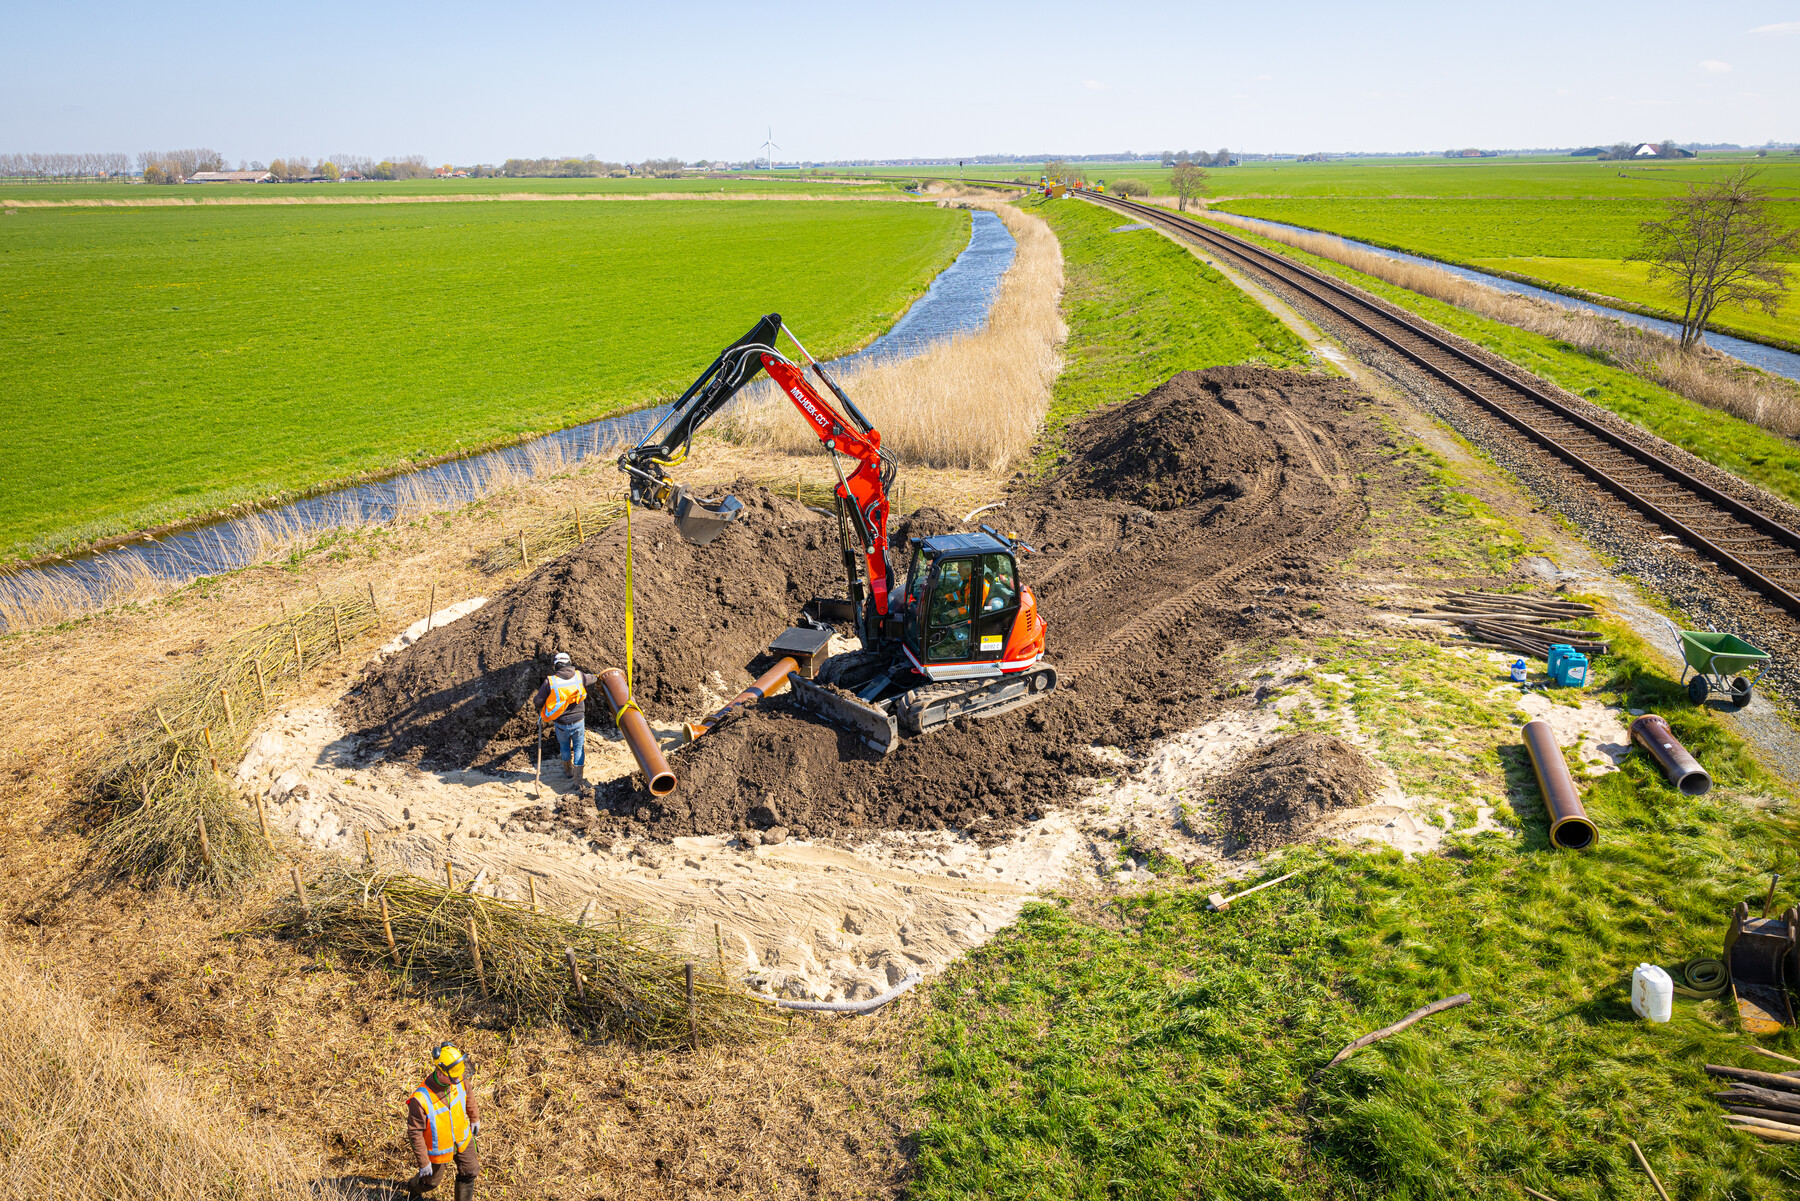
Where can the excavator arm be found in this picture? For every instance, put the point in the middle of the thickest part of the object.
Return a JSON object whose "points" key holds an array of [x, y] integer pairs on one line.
{"points": [[864, 472]]}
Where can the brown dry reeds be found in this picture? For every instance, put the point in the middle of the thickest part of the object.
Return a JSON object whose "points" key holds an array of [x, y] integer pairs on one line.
{"points": [[976, 401], [552, 536], [163, 773], [1700, 375], [87, 1114], [633, 983]]}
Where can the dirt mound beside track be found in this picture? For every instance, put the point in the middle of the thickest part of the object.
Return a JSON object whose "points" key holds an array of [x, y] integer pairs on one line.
{"points": [[1163, 536], [1284, 790]]}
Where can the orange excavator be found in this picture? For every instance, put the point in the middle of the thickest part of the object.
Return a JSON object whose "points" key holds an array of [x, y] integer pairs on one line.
{"points": [[958, 635]]}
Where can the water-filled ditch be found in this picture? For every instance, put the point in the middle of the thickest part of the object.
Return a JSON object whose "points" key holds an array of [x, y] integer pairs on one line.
{"points": [[958, 301]]}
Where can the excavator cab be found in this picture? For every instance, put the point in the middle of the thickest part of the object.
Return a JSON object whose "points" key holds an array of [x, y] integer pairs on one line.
{"points": [[966, 616]]}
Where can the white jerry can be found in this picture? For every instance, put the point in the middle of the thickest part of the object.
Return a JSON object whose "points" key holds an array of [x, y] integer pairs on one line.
{"points": [[1652, 993]]}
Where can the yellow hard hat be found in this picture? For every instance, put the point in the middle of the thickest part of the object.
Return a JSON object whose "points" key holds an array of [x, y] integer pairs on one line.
{"points": [[448, 1060]]}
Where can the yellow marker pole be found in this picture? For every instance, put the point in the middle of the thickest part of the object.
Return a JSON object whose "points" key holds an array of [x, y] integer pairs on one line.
{"points": [[630, 686]]}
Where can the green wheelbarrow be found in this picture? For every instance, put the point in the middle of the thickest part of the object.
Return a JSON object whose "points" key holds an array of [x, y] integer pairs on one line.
{"points": [[1721, 663]]}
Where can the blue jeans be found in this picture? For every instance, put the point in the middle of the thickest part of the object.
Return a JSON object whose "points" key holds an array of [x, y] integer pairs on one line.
{"points": [[571, 738]]}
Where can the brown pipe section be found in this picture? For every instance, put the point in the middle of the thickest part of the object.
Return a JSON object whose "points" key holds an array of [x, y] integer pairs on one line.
{"points": [[642, 743], [767, 684], [1652, 733], [1570, 828]]}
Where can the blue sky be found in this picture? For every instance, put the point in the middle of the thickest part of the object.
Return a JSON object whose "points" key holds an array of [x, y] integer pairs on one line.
{"points": [[471, 83]]}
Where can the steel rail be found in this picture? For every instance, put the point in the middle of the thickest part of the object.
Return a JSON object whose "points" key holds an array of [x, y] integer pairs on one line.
{"points": [[1345, 302]]}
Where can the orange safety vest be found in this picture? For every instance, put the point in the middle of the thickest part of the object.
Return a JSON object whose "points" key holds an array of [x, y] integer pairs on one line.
{"points": [[446, 1122], [563, 693]]}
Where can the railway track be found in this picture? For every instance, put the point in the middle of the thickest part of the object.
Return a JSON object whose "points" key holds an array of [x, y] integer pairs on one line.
{"points": [[1759, 550]]}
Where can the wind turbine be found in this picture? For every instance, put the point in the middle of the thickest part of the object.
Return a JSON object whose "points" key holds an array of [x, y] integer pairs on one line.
{"points": [[768, 147]]}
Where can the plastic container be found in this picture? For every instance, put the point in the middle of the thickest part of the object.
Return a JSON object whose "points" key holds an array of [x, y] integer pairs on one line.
{"points": [[1652, 993], [1518, 672], [1570, 671]]}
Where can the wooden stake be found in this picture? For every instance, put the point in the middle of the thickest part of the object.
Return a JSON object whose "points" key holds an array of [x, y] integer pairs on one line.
{"points": [[205, 845], [337, 627], [165, 725], [373, 607], [230, 718], [475, 950], [580, 534], [387, 928], [449, 877], [260, 689], [431, 610], [532, 880], [719, 945], [522, 554], [575, 975], [1648, 1170], [582, 920], [368, 846], [262, 819], [299, 658], [1535, 1193], [300, 891], [693, 1022], [1775, 1055], [206, 733]]}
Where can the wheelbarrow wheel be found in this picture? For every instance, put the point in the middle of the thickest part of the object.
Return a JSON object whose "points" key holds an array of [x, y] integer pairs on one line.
{"points": [[1740, 692], [1698, 688]]}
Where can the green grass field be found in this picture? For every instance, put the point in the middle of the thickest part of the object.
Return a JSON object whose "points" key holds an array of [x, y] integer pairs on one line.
{"points": [[162, 363], [773, 184], [1140, 308], [1579, 244]]}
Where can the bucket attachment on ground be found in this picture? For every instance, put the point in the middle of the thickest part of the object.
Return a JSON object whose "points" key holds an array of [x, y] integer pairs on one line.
{"points": [[808, 648], [701, 521], [875, 726], [1761, 955]]}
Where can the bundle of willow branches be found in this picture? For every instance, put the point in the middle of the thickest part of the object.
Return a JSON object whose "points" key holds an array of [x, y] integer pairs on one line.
{"points": [[162, 773], [633, 983]]}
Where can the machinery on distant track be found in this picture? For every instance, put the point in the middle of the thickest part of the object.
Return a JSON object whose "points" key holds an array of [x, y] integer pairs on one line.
{"points": [[959, 635]]}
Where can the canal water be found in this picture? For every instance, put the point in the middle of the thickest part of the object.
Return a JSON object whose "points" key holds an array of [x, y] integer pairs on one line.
{"points": [[958, 301], [1771, 359]]}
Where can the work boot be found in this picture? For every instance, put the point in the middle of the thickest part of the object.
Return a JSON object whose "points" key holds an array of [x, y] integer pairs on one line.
{"points": [[579, 771], [568, 769], [465, 1190]]}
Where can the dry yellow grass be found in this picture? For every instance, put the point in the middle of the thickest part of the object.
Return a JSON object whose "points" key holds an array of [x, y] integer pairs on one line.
{"points": [[975, 402], [87, 1114], [1704, 376]]}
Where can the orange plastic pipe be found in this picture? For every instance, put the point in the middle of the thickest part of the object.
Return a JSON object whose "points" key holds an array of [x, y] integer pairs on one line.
{"points": [[642, 743], [767, 684]]}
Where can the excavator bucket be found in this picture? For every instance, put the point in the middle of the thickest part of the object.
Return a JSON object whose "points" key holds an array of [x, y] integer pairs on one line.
{"points": [[699, 521], [876, 727]]}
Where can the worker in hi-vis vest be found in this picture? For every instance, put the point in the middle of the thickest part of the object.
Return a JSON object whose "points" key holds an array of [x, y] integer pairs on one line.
{"points": [[442, 1123], [560, 700]]}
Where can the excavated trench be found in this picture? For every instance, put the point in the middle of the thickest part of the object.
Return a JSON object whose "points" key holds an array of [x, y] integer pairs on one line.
{"points": [[1203, 512]]}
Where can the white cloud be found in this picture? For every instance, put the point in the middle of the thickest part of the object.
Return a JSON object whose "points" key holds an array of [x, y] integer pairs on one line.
{"points": [[1094, 85], [1265, 77], [1713, 66], [1779, 27]]}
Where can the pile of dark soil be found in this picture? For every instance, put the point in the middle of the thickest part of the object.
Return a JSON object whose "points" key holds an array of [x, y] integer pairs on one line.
{"points": [[1167, 515], [1283, 791], [459, 696]]}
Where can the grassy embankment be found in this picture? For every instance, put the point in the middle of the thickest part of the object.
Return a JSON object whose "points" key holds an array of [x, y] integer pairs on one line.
{"points": [[1727, 442], [1566, 244], [1140, 309], [14, 192], [1147, 1048], [165, 363]]}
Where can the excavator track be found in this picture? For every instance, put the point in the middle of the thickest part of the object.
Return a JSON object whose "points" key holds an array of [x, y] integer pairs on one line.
{"points": [[925, 709]]}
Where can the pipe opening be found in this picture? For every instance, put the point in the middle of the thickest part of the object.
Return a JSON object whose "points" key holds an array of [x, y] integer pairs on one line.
{"points": [[1573, 834], [662, 784], [1695, 783]]}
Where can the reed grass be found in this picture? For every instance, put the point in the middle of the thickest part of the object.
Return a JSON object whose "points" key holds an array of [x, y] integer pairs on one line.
{"points": [[552, 536], [88, 1114], [163, 772], [976, 401], [1701, 375], [633, 976]]}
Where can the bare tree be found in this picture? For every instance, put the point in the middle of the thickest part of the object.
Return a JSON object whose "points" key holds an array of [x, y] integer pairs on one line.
{"points": [[1186, 181], [1718, 245], [1057, 171]]}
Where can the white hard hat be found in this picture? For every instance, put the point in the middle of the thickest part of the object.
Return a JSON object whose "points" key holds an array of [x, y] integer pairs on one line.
{"points": [[562, 657]]}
